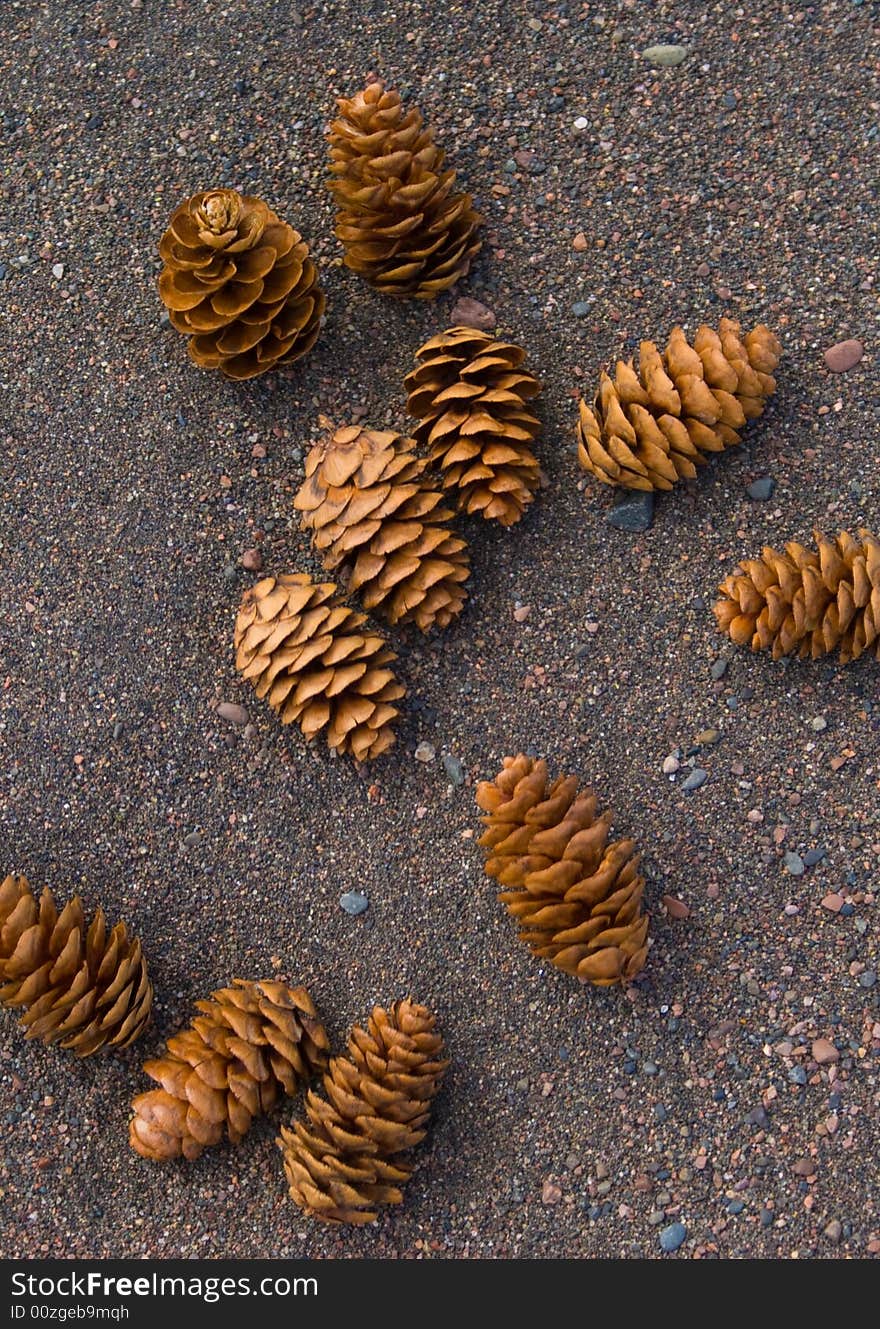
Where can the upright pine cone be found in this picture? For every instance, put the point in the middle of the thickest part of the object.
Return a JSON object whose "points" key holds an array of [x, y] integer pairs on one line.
{"points": [[253, 1043], [350, 1160], [374, 516], [647, 430], [402, 227], [313, 660], [80, 985], [577, 899], [239, 282], [806, 602], [470, 394]]}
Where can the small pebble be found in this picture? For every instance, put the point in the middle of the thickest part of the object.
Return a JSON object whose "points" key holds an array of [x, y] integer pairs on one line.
{"points": [[665, 56], [707, 737], [354, 902], [633, 513], [844, 355], [695, 780], [868, 978], [231, 711], [818, 723], [719, 668], [813, 856], [670, 765], [453, 768], [252, 560], [794, 863], [579, 244], [580, 309], [672, 1237], [425, 752], [472, 314], [58, 270], [761, 489], [675, 908], [824, 1052], [834, 1231]]}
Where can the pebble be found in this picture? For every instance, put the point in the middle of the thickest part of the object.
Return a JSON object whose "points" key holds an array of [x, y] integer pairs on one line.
{"points": [[58, 270], [354, 902], [425, 752], [736, 1206], [117, 729], [453, 768], [579, 243], [707, 737], [550, 1193], [675, 908], [833, 902], [231, 711], [803, 1167], [834, 1231], [671, 765], [844, 355], [824, 1052], [634, 512], [580, 309], [797, 1075], [719, 668], [818, 723], [794, 863], [252, 560], [695, 780], [868, 978], [672, 1237], [665, 56], [762, 488], [581, 122], [813, 856], [471, 313]]}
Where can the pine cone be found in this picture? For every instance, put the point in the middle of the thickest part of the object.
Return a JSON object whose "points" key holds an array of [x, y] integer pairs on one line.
{"points": [[577, 899], [807, 603], [350, 1161], [374, 516], [313, 660], [239, 282], [402, 227], [647, 430], [80, 986], [471, 396], [253, 1043]]}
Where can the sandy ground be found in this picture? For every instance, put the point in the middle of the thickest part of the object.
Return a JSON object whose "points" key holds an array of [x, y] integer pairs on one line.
{"points": [[573, 1122]]}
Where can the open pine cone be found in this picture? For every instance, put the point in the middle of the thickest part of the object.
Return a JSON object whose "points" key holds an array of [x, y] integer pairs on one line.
{"points": [[375, 517], [403, 228], [807, 602], [648, 429], [312, 658], [81, 985], [252, 1044], [577, 899], [351, 1159], [239, 283], [470, 394]]}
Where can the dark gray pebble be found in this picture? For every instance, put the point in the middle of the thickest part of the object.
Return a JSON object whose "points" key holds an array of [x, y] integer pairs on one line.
{"points": [[761, 489], [453, 768], [694, 781], [633, 513]]}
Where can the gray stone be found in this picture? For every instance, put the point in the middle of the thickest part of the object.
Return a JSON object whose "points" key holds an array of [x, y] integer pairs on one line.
{"points": [[794, 863], [665, 56], [834, 1231], [672, 1237], [868, 978], [231, 711], [580, 309], [719, 668], [762, 488], [117, 729], [695, 780], [813, 856], [453, 768], [634, 512], [354, 902]]}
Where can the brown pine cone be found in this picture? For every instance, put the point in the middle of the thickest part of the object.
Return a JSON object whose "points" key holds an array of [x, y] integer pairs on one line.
{"points": [[648, 429], [403, 228], [807, 603], [252, 1044], [239, 283], [577, 899], [470, 394], [312, 658], [351, 1159], [374, 517], [79, 985]]}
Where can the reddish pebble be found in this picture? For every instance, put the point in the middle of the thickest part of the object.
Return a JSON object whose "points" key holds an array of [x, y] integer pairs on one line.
{"points": [[579, 243], [675, 908], [833, 902], [471, 314], [550, 1193], [824, 1052], [844, 355], [252, 560], [521, 613], [804, 1167], [258, 450], [235, 714]]}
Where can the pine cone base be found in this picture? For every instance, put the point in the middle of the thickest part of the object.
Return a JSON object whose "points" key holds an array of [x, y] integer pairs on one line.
{"points": [[576, 898]]}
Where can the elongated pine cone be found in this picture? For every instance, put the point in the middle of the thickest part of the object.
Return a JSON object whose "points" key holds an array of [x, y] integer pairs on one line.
{"points": [[239, 283], [648, 429], [374, 516], [470, 393], [350, 1160], [403, 228], [314, 660], [577, 898], [252, 1044], [807, 602], [81, 985]]}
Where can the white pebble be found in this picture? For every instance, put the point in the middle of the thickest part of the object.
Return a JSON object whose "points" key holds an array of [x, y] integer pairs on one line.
{"points": [[671, 765]]}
